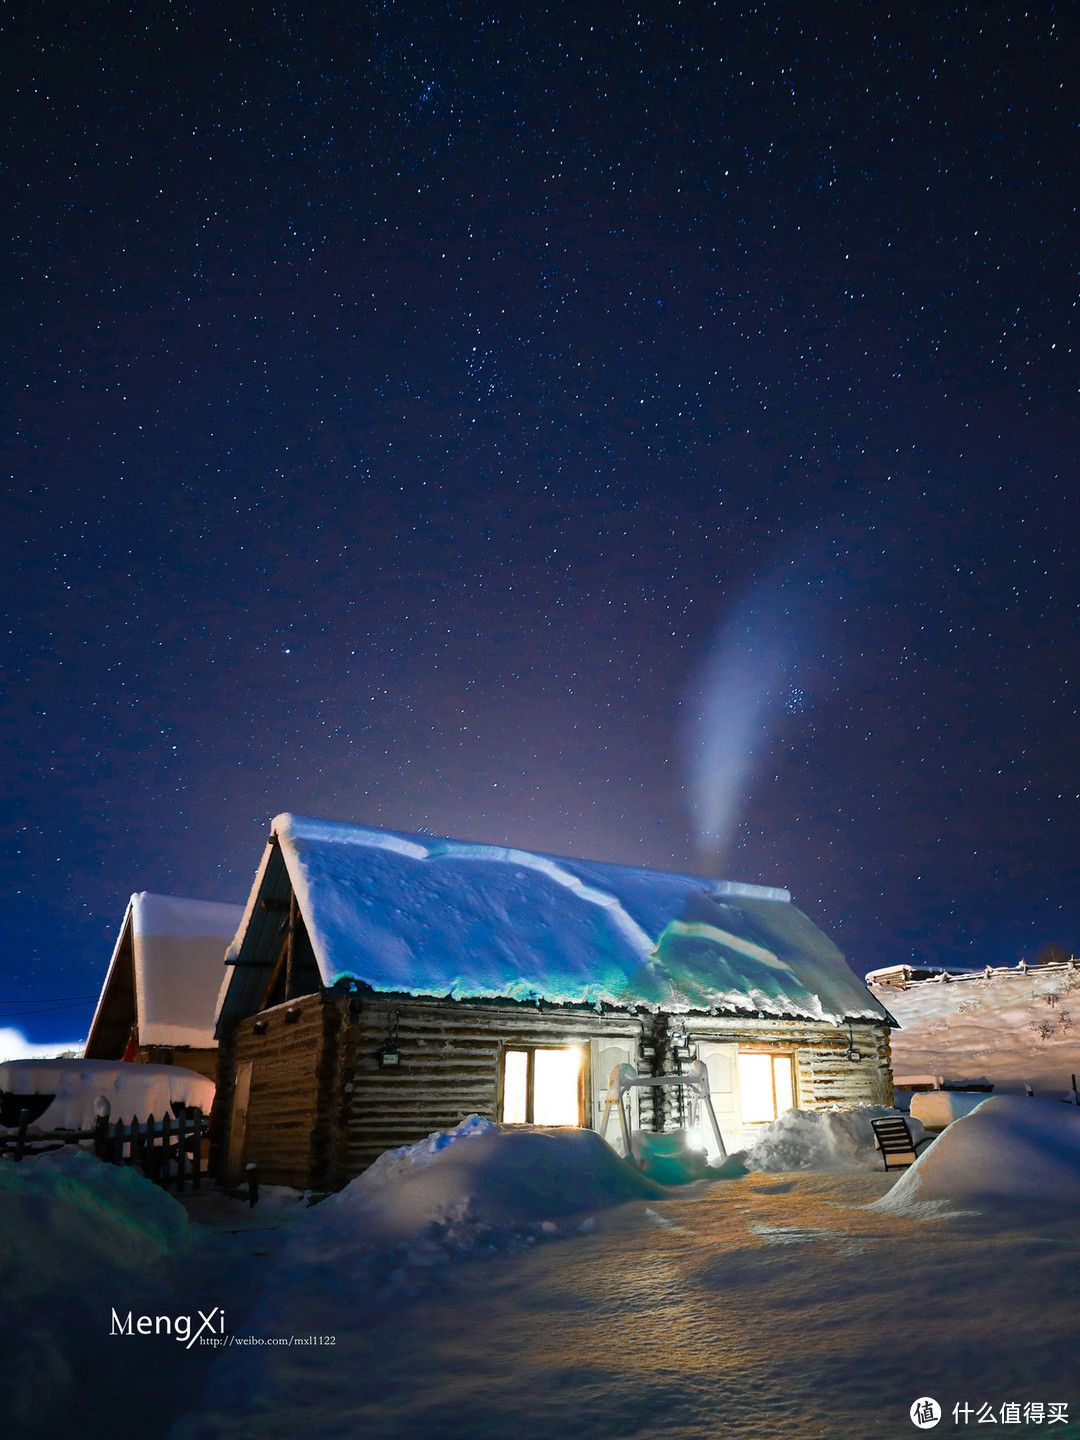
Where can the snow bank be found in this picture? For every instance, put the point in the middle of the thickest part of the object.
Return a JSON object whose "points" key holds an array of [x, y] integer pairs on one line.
{"points": [[1011, 1152], [471, 1191], [131, 1089], [68, 1207], [493, 1174], [76, 1238], [15, 1046], [938, 1108], [839, 1139]]}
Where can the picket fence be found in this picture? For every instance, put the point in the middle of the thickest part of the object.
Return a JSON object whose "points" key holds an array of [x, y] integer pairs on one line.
{"points": [[169, 1151]]}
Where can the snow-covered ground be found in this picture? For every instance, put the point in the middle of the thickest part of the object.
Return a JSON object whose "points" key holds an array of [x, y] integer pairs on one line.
{"points": [[489, 1304], [1012, 1027]]}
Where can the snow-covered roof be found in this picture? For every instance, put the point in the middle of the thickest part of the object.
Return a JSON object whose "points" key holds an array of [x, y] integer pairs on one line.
{"points": [[417, 915], [173, 949]]}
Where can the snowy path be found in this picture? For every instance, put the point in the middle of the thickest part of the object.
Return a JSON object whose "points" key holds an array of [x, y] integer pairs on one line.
{"points": [[769, 1308]]}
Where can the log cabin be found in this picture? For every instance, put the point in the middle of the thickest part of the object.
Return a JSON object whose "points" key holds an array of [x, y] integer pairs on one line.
{"points": [[161, 990], [383, 986]]}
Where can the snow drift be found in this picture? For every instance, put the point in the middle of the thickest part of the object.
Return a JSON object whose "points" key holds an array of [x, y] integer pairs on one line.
{"points": [[497, 1175], [840, 1139], [473, 1191], [76, 1237], [1010, 1152], [70, 1210]]}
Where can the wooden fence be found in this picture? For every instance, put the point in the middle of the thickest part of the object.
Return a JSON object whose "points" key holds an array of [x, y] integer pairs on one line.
{"points": [[169, 1151]]}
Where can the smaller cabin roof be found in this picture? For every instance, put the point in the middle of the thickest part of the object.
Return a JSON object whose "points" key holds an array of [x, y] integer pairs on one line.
{"points": [[418, 915], [165, 974]]}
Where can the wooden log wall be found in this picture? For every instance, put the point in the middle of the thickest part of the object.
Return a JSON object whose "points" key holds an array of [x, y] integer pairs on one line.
{"points": [[322, 1108], [824, 1076], [291, 1050], [203, 1061], [448, 1067]]}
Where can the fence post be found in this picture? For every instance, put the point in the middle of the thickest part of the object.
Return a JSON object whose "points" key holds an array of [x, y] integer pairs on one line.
{"points": [[134, 1148], [252, 1172], [20, 1138], [181, 1150], [196, 1177], [151, 1158], [166, 1135]]}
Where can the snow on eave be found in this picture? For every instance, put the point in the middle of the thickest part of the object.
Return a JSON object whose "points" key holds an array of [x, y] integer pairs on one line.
{"points": [[732, 889], [233, 951]]}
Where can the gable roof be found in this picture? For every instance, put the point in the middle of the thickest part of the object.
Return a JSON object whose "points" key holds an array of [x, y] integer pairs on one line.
{"points": [[417, 915], [165, 974]]}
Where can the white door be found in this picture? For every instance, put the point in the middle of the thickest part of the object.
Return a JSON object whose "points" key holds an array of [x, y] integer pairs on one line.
{"points": [[719, 1060], [607, 1055]]}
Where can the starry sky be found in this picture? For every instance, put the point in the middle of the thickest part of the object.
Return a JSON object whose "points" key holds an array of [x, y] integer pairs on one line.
{"points": [[645, 432]]}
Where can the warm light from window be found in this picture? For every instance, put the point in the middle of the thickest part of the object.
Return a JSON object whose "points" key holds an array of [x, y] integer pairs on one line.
{"points": [[766, 1087], [515, 1087], [755, 1088], [784, 1082], [555, 1087]]}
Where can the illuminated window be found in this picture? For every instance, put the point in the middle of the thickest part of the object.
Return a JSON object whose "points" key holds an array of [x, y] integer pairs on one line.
{"points": [[766, 1086], [543, 1087]]}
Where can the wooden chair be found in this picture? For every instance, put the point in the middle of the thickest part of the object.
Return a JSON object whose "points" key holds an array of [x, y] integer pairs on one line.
{"points": [[895, 1141]]}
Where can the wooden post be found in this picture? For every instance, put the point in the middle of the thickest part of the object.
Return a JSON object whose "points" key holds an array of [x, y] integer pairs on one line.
{"points": [[151, 1156], [181, 1150], [134, 1136], [20, 1138], [252, 1173], [196, 1156], [166, 1136], [101, 1134]]}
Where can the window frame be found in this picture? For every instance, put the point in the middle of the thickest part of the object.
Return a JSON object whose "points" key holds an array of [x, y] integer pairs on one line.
{"points": [[776, 1053], [529, 1051]]}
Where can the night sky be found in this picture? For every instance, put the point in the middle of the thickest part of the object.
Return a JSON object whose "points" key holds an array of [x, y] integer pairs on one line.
{"points": [[646, 433]]}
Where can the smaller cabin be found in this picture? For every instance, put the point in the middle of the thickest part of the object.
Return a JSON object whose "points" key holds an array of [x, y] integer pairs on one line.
{"points": [[160, 995], [383, 986]]}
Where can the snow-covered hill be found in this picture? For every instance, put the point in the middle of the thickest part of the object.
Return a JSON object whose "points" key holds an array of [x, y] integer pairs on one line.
{"points": [[1015, 1027]]}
